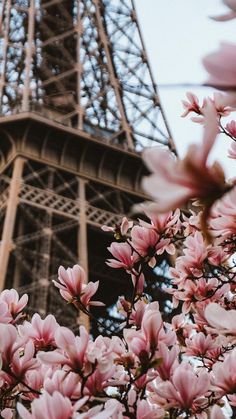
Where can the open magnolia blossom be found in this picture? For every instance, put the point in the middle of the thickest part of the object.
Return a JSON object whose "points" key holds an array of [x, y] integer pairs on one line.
{"points": [[224, 321], [220, 102], [221, 66], [172, 358], [73, 287], [174, 182]]}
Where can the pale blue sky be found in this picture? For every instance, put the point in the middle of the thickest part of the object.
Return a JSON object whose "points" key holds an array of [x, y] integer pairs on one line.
{"points": [[178, 33]]}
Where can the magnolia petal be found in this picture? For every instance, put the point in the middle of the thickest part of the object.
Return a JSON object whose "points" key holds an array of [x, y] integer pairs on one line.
{"points": [[225, 17]]}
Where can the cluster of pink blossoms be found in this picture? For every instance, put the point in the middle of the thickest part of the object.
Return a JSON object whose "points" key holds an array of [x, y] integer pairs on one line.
{"points": [[152, 369]]}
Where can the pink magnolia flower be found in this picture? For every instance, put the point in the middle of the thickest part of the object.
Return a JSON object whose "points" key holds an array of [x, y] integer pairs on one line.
{"points": [[192, 105], [147, 242], [14, 302], [6, 413], [195, 251], [167, 335], [199, 315], [219, 101], [103, 351], [136, 341], [232, 399], [217, 255], [48, 406], [231, 4], [199, 345], [72, 348], [186, 389], [144, 240], [180, 273], [138, 312], [5, 316], [71, 281], [146, 339], [178, 322], [222, 69], [67, 384], [222, 221], [98, 381], [223, 377], [224, 321], [9, 343], [41, 331], [168, 360], [88, 292], [56, 406], [112, 410], [124, 254], [199, 290], [23, 360], [145, 379], [147, 411], [195, 254], [174, 182], [191, 223], [231, 128], [35, 379], [73, 287], [17, 358], [151, 325], [167, 223], [120, 230], [180, 326]]}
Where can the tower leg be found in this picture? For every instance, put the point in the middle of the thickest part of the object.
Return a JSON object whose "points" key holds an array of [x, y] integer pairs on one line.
{"points": [[82, 241], [9, 222], [17, 272]]}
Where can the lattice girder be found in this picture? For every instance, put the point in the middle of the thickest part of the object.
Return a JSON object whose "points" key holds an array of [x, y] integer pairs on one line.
{"points": [[83, 63]]}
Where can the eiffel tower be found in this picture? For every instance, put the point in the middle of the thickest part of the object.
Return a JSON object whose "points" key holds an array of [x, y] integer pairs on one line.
{"points": [[78, 103]]}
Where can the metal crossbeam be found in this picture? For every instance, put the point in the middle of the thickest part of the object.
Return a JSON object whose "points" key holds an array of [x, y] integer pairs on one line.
{"points": [[61, 205], [85, 60]]}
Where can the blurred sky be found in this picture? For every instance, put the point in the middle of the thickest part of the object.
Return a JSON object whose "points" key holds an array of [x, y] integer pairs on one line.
{"points": [[177, 34]]}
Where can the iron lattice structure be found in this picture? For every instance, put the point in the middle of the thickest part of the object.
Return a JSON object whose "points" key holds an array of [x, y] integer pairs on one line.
{"points": [[78, 103]]}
